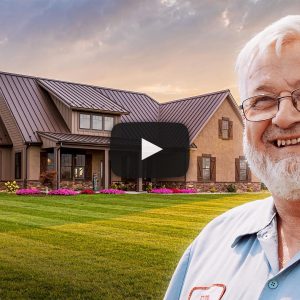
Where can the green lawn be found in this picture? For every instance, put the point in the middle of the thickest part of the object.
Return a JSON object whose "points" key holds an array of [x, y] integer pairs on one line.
{"points": [[99, 246]]}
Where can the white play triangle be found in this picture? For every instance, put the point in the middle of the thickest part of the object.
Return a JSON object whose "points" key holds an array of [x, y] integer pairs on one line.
{"points": [[149, 149]]}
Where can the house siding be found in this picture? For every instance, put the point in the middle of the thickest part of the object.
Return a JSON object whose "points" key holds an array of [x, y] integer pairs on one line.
{"points": [[64, 110], [225, 151], [33, 161]]}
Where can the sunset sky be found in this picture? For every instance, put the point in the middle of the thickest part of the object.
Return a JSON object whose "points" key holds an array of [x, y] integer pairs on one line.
{"points": [[168, 49]]}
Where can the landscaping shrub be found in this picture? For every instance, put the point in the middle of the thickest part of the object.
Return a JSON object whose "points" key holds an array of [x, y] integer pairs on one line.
{"points": [[231, 188], [31, 191], [188, 191], [162, 191], [11, 186], [111, 191], [63, 192], [47, 178], [87, 191]]}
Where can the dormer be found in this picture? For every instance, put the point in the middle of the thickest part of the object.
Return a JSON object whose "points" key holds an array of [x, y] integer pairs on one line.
{"points": [[84, 109]]}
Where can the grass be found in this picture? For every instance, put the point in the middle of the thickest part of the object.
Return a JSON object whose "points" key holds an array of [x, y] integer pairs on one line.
{"points": [[99, 246]]}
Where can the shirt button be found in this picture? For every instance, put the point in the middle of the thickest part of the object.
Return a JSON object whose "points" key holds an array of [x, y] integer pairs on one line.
{"points": [[273, 284], [266, 236]]}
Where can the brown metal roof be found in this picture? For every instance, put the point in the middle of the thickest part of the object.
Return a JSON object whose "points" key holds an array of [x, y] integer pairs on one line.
{"points": [[75, 138], [193, 112], [34, 110], [31, 107], [142, 108], [80, 96]]}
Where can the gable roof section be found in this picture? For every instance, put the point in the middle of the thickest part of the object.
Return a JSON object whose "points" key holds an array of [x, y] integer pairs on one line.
{"points": [[80, 96], [195, 112], [142, 108], [31, 107]]}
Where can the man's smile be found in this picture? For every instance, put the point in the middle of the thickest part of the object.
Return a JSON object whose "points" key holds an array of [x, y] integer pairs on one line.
{"points": [[288, 141]]}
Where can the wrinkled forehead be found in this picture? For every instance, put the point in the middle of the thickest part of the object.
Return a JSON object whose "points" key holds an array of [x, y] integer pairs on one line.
{"points": [[272, 72]]}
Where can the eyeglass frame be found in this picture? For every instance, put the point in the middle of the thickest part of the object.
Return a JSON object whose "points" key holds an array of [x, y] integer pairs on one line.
{"points": [[277, 98]]}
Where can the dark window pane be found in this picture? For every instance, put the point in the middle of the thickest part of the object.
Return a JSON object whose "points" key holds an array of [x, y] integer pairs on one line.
{"points": [[18, 165], [80, 160], [66, 160], [50, 161], [66, 173]]}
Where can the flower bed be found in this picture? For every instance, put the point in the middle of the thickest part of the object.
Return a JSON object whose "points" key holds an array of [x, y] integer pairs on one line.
{"points": [[28, 192], [63, 192], [173, 191], [111, 191], [87, 192]]}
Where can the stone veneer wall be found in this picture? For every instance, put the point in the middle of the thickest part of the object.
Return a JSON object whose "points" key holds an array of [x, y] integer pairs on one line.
{"points": [[214, 186]]}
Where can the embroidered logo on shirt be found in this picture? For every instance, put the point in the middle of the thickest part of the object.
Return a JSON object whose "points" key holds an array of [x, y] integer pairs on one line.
{"points": [[213, 292]]}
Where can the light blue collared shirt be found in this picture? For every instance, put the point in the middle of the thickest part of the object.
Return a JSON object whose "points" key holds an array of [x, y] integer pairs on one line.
{"points": [[235, 257]]}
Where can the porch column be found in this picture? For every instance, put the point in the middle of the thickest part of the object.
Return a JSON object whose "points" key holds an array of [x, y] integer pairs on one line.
{"points": [[140, 185], [106, 168], [57, 166]]}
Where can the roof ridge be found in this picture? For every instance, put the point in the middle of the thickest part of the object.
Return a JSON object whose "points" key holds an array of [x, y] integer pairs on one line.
{"points": [[70, 82], [196, 96]]}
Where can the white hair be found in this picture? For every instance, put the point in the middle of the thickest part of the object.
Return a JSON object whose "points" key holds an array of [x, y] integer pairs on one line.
{"points": [[276, 35]]}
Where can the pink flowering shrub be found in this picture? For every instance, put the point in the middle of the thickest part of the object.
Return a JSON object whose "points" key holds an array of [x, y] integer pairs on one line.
{"points": [[31, 191], [63, 192], [173, 191], [188, 191], [87, 192], [162, 191], [111, 191]]}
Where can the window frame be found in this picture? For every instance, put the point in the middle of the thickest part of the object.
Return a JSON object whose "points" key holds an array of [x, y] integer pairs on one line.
{"points": [[229, 130], [103, 116]]}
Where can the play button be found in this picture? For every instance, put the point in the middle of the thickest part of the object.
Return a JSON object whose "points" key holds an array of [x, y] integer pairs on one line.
{"points": [[149, 149]]}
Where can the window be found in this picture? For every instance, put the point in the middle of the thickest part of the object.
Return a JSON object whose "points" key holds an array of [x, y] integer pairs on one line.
{"points": [[225, 129], [85, 121], [96, 122], [206, 168], [18, 165], [66, 166], [76, 166], [242, 171], [79, 166], [108, 123], [50, 161]]}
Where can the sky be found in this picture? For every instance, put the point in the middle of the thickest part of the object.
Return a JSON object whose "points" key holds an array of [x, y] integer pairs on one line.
{"points": [[168, 49]]}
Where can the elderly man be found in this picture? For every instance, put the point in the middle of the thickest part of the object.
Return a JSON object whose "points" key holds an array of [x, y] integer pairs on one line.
{"points": [[253, 251]]}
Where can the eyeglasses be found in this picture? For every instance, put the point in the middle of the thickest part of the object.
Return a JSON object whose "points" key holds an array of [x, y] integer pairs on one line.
{"points": [[265, 106]]}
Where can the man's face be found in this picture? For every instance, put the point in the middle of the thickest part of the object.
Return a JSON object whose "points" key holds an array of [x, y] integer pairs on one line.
{"points": [[280, 76]]}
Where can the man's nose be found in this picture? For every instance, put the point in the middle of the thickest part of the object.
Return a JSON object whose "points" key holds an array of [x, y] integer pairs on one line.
{"points": [[287, 114]]}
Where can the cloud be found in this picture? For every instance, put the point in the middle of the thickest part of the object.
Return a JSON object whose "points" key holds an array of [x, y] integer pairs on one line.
{"points": [[166, 89], [225, 18]]}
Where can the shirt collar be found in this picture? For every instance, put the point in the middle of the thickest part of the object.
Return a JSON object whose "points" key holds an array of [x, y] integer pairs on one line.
{"points": [[258, 221]]}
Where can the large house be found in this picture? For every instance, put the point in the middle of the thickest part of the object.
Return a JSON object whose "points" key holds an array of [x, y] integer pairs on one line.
{"points": [[48, 125]]}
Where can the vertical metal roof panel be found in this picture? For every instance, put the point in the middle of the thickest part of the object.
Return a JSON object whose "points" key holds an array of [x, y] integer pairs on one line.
{"points": [[31, 107], [142, 108], [80, 96], [193, 112]]}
